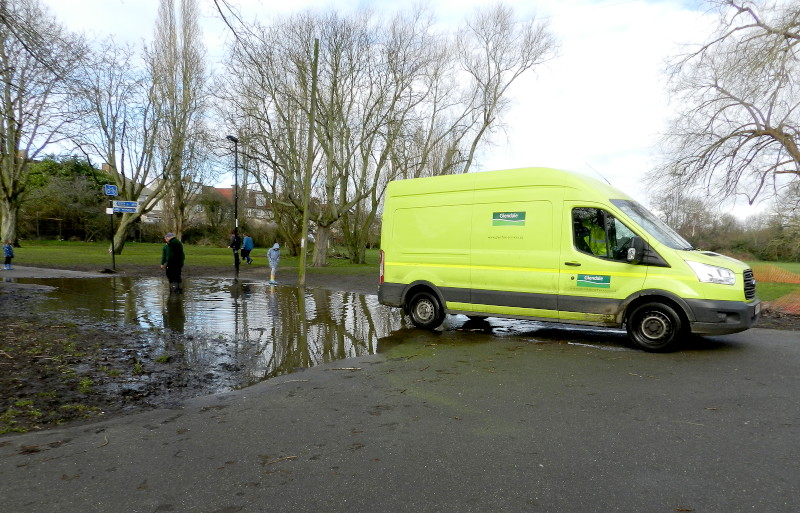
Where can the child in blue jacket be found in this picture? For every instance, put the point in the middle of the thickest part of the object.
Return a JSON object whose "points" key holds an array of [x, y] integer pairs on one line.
{"points": [[8, 252]]}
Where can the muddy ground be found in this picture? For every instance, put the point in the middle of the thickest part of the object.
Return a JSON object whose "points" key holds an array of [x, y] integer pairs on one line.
{"points": [[56, 371]]}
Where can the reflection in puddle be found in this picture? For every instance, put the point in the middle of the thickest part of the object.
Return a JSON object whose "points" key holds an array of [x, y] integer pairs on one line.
{"points": [[242, 332], [235, 333]]}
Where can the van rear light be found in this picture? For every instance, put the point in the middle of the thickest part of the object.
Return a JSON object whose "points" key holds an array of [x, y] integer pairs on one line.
{"points": [[380, 281]]}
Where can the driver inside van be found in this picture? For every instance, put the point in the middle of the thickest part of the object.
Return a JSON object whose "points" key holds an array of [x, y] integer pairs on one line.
{"points": [[596, 237]]}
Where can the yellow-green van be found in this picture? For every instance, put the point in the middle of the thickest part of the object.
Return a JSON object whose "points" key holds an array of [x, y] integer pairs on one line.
{"points": [[551, 245]]}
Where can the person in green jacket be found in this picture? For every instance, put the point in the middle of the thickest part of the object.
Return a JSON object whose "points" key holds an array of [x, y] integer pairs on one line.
{"points": [[172, 258]]}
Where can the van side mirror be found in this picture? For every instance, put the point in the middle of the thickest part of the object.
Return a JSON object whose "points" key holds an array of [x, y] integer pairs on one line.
{"points": [[636, 251]]}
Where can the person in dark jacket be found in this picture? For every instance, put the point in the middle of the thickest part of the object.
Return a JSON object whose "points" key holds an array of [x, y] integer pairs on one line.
{"points": [[235, 245], [172, 258]]}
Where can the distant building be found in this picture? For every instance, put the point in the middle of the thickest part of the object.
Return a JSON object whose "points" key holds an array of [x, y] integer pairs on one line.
{"points": [[253, 204]]}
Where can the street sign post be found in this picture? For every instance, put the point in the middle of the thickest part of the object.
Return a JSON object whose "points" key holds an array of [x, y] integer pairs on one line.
{"points": [[125, 207]]}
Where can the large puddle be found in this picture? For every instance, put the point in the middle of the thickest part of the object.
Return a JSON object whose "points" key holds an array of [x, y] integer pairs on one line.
{"points": [[248, 331], [243, 332]]}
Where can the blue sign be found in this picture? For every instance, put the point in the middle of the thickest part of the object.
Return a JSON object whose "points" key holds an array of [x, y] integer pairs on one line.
{"points": [[127, 204], [125, 210], [110, 190]]}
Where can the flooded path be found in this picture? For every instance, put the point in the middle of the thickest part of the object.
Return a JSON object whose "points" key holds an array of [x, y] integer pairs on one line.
{"points": [[230, 334], [241, 332]]}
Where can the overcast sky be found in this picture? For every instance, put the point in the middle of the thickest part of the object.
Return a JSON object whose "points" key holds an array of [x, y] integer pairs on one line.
{"points": [[599, 107]]}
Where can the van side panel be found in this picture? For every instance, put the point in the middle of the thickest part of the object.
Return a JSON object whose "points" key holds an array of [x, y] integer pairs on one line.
{"points": [[515, 251], [429, 240]]}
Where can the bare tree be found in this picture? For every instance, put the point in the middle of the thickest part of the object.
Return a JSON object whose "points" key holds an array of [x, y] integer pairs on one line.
{"points": [[687, 214], [495, 48], [143, 118], [739, 128], [120, 126], [178, 71], [265, 96], [434, 126], [395, 99], [37, 61]]}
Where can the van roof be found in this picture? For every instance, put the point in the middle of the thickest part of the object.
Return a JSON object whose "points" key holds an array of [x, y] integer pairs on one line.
{"points": [[521, 177]]}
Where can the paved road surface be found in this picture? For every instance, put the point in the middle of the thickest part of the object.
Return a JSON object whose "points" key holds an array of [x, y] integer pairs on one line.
{"points": [[455, 421]]}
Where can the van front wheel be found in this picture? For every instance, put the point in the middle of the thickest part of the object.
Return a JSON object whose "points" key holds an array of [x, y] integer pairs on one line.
{"points": [[425, 311], [655, 327]]}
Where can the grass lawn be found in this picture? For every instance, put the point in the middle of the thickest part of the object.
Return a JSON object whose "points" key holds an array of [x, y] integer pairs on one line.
{"points": [[789, 266], [770, 291], [64, 254]]}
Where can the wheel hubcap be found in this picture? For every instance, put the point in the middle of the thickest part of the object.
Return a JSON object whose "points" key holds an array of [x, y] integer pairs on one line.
{"points": [[424, 311], [656, 326]]}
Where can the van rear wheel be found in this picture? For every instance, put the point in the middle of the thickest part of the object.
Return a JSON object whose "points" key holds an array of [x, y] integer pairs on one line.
{"points": [[655, 327], [425, 311]]}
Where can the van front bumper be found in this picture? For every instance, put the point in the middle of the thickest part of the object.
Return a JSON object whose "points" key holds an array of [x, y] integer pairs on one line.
{"points": [[722, 317]]}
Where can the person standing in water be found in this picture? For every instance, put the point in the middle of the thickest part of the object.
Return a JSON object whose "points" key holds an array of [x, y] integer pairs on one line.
{"points": [[273, 256], [172, 258]]}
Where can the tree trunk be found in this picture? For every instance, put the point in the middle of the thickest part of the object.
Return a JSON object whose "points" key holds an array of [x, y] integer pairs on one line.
{"points": [[321, 246], [122, 231], [8, 213]]}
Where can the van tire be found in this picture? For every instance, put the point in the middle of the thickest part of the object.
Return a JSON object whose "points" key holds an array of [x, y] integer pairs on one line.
{"points": [[655, 327], [425, 310]]}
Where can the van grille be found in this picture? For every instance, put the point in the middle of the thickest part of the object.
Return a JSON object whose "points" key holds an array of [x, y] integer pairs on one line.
{"points": [[749, 285]]}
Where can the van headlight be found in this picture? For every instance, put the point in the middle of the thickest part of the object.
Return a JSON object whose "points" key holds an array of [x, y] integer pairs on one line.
{"points": [[712, 274]]}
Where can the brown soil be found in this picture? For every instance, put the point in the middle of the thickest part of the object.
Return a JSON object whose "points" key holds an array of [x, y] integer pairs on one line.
{"points": [[53, 372]]}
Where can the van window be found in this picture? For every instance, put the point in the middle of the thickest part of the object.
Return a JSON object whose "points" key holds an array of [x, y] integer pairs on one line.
{"points": [[652, 224], [600, 234]]}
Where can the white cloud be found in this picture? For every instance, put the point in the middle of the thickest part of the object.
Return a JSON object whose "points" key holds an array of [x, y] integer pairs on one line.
{"points": [[601, 105]]}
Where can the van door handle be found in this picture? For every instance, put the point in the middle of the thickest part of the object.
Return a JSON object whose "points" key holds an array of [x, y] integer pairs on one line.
{"points": [[573, 264]]}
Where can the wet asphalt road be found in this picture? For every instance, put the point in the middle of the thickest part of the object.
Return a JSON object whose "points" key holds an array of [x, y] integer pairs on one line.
{"points": [[455, 421]]}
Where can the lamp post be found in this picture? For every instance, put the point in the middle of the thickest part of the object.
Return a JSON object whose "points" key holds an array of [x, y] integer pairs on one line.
{"points": [[235, 142]]}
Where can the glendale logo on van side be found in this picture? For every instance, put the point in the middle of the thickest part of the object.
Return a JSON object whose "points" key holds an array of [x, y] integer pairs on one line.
{"points": [[594, 281], [508, 219]]}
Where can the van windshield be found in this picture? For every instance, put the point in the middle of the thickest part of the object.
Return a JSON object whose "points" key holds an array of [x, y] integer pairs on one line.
{"points": [[652, 225]]}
